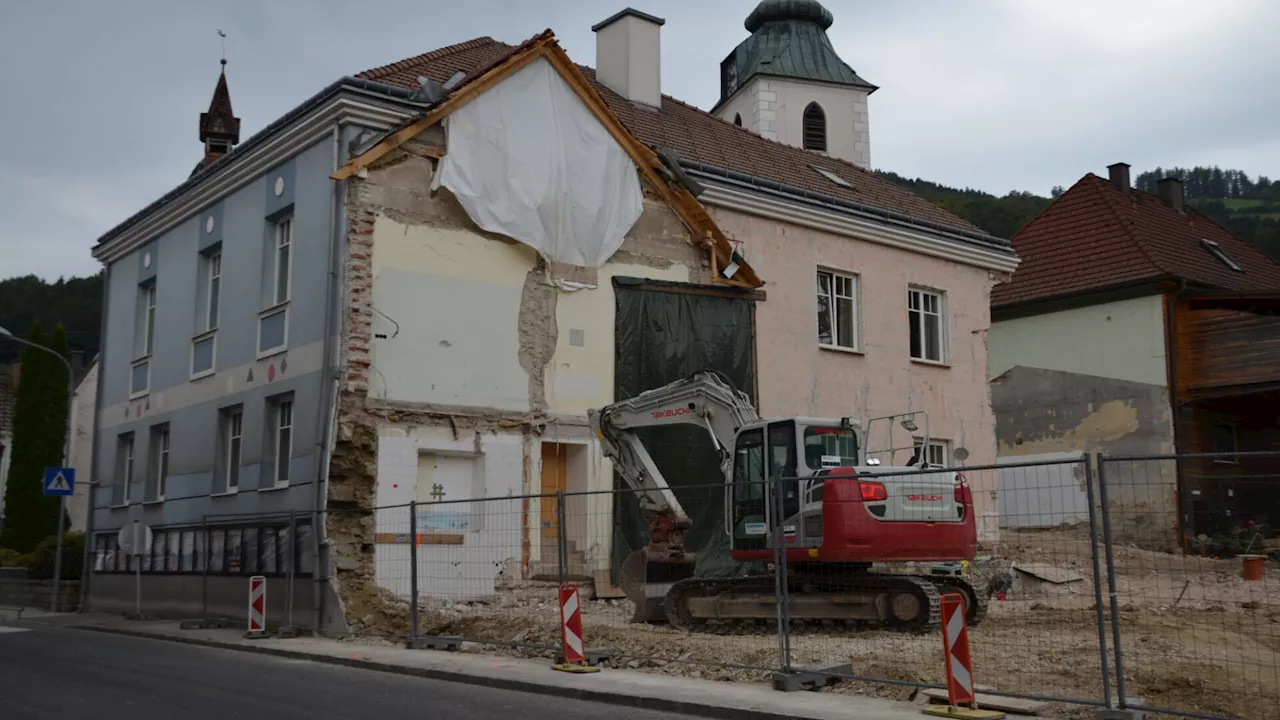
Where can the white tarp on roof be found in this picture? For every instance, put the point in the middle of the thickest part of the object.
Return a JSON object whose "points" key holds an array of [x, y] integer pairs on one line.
{"points": [[528, 160]]}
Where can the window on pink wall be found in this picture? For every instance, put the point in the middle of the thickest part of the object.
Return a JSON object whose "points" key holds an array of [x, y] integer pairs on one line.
{"points": [[925, 317], [837, 309]]}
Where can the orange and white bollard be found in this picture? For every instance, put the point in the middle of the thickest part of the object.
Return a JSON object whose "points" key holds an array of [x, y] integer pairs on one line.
{"points": [[961, 696], [572, 643]]}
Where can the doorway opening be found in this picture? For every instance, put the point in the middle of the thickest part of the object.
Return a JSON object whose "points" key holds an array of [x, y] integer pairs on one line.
{"points": [[563, 469]]}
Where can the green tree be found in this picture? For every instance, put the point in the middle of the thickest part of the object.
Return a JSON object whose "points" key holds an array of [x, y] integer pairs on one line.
{"points": [[39, 430], [74, 302]]}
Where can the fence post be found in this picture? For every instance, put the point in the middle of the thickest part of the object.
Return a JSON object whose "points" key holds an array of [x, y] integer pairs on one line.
{"points": [[562, 539], [204, 580], [317, 582], [413, 569], [290, 576], [781, 591], [57, 556], [1111, 578], [1097, 580]]}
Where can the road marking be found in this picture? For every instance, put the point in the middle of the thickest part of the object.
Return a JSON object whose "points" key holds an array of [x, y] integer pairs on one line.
{"points": [[4, 629]]}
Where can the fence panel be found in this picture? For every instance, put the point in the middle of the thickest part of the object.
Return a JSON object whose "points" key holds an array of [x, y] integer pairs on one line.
{"points": [[1195, 630], [1034, 631], [606, 532], [486, 569]]}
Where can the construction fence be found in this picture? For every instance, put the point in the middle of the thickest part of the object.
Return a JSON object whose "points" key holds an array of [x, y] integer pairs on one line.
{"points": [[1084, 592]]}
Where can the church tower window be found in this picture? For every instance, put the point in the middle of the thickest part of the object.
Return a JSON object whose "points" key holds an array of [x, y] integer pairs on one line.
{"points": [[815, 128]]}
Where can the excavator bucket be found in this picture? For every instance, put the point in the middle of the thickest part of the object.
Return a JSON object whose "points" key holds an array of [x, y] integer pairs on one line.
{"points": [[647, 575]]}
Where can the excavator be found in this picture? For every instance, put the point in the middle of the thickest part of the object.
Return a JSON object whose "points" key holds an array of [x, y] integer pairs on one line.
{"points": [[795, 488]]}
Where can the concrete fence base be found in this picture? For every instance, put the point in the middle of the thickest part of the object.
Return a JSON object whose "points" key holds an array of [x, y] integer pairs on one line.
{"points": [[39, 594]]}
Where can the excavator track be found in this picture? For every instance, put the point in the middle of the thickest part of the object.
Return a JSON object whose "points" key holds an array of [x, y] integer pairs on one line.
{"points": [[975, 599], [917, 590]]}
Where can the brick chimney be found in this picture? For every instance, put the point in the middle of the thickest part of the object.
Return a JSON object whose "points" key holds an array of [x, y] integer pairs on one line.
{"points": [[1120, 176], [629, 56], [1170, 191]]}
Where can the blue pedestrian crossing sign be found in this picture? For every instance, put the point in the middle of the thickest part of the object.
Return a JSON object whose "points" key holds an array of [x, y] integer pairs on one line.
{"points": [[59, 481]]}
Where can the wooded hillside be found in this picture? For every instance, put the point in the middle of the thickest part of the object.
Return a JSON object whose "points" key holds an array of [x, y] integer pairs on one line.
{"points": [[1248, 207], [74, 302]]}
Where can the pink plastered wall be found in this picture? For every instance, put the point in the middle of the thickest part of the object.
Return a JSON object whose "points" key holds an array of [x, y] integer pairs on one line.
{"points": [[797, 377]]}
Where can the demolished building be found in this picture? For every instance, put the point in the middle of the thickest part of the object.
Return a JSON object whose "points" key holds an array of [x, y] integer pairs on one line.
{"points": [[434, 269]]}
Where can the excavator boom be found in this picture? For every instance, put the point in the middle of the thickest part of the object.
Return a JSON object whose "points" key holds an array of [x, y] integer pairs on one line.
{"points": [[705, 399]]}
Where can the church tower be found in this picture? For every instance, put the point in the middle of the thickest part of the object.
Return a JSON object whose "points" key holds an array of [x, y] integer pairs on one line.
{"points": [[787, 83], [219, 127]]}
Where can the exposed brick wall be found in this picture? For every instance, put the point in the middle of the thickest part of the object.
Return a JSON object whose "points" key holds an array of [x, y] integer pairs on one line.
{"points": [[357, 283]]}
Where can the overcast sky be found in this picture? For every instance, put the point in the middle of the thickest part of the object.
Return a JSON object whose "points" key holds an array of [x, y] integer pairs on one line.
{"points": [[100, 101]]}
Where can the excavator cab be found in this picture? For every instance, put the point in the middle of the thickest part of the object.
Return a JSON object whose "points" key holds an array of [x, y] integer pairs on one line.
{"points": [[777, 467]]}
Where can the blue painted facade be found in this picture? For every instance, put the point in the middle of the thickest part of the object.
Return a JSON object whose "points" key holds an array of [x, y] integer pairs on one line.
{"points": [[173, 370], [241, 227], [171, 390]]}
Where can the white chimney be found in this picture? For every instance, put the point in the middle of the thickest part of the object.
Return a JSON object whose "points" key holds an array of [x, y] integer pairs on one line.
{"points": [[629, 56]]}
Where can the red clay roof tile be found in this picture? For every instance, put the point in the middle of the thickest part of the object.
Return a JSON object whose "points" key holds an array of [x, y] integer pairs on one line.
{"points": [[1095, 237], [693, 133]]}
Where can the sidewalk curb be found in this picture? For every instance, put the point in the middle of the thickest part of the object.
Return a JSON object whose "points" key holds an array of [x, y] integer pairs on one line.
{"points": [[611, 698]]}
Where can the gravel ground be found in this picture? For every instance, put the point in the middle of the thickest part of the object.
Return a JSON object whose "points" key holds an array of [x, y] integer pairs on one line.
{"points": [[1195, 635]]}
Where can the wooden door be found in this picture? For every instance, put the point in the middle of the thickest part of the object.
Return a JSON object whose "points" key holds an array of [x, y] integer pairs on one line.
{"points": [[554, 470]]}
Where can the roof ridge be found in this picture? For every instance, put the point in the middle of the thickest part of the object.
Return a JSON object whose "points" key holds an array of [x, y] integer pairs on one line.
{"points": [[868, 172], [473, 43], [1103, 188], [1044, 210]]}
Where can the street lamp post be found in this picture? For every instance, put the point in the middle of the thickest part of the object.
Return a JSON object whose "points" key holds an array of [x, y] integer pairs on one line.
{"points": [[66, 449]]}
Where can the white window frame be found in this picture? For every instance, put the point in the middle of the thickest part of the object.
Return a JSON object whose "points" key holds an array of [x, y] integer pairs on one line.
{"points": [[282, 421], [943, 334], [855, 281], [162, 461], [284, 342], [135, 394], [126, 445], [941, 447], [149, 320], [211, 336], [233, 430], [213, 301], [282, 247]]}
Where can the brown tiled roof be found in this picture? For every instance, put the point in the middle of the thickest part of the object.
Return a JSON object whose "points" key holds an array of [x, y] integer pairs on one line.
{"points": [[1096, 237], [693, 133], [439, 64]]}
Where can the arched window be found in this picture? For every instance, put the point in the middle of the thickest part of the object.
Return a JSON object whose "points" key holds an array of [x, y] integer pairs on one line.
{"points": [[737, 119], [815, 128]]}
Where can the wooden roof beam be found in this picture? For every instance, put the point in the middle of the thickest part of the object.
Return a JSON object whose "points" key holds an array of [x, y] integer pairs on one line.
{"points": [[459, 98]]}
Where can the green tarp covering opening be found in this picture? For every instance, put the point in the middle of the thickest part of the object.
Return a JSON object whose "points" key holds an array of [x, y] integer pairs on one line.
{"points": [[664, 335]]}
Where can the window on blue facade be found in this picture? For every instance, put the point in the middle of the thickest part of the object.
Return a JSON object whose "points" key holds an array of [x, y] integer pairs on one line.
{"points": [[202, 356], [272, 331], [140, 378]]}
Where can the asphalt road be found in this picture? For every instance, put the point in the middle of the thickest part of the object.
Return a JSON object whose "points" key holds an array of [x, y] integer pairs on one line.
{"points": [[49, 673]]}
